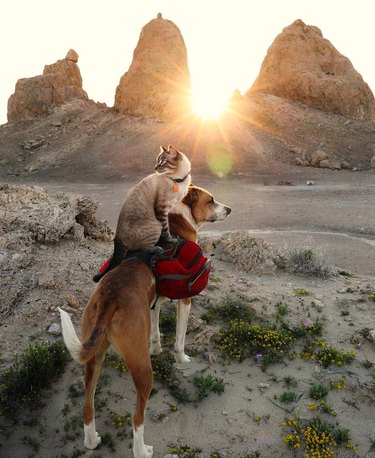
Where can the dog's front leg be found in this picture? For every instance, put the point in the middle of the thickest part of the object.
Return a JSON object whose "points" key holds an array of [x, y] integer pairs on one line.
{"points": [[183, 311], [155, 344]]}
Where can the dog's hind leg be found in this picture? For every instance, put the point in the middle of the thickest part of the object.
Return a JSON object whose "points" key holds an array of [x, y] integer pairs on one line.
{"points": [[183, 311], [92, 372], [142, 377], [139, 365]]}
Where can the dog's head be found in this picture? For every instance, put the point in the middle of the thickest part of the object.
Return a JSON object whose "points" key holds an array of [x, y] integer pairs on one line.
{"points": [[172, 162], [204, 208]]}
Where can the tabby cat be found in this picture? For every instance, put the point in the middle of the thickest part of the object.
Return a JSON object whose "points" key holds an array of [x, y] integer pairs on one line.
{"points": [[143, 219]]}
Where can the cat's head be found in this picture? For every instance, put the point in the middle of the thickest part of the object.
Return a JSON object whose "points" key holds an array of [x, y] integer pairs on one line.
{"points": [[172, 162]]}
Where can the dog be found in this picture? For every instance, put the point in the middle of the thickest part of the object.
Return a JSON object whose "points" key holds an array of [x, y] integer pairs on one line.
{"points": [[118, 314], [197, 208]]}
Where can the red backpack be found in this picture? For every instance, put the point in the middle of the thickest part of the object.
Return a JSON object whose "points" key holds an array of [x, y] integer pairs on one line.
{"points": [[180, 269]]}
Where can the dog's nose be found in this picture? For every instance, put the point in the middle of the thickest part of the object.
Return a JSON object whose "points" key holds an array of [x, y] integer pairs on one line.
{"points": [[228, 210]]}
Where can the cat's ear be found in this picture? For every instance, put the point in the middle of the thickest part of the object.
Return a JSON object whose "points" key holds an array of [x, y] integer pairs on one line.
{"points": [[163, 149], [172, 151]]}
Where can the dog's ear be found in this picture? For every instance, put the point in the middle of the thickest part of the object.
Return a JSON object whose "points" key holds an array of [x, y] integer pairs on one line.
{"points": [[192, 196], [163, 149]]}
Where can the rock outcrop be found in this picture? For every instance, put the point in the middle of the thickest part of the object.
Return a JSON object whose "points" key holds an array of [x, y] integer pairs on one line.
{"points": [[302, 65], [28, 214], [36, 96], [157, 83]]}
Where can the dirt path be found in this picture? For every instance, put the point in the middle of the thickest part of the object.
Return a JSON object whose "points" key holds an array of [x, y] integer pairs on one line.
{"points": [[336, 214]]}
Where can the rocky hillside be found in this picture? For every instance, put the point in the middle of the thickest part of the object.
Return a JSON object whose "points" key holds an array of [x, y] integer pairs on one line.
{"points": [[157, 83], [303, 65], [84, 141], [321, 116]]}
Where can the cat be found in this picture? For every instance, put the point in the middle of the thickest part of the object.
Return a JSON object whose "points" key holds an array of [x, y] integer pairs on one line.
{"points": [[143, 219]]}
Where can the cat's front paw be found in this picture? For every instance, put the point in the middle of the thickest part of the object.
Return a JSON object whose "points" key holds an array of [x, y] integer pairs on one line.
{"points": [[168, 239]]}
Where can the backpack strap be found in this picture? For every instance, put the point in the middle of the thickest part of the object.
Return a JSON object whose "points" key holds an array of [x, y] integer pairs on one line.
{"points": [[206, 266]]}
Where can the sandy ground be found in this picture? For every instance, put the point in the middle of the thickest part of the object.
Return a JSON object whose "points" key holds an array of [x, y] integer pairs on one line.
{"points": [[335, 214]]}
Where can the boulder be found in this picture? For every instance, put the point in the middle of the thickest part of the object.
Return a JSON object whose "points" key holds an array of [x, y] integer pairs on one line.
{"points": [[30, 214], [157, 83], [36, 96], [317, 157], [372, 162], [72, 56], [248, 253], [329, 164], [302, 65]]}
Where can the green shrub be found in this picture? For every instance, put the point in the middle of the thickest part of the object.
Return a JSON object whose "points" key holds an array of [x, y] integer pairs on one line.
{"points": [[239, 340], [318, 391], [207, 384], [229, 308], [22, 383]]}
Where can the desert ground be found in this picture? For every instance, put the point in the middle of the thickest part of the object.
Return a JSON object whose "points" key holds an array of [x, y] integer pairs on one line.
{"points": [[336, 212], [333, 218]]}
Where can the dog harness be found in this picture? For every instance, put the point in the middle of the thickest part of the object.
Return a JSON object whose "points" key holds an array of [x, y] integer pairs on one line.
{"points": [[180, 268]]}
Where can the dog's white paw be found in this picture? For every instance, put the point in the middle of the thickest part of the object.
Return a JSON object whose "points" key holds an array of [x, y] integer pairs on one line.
{"points": [[181, 358], [155, 348], [146, 452], [92, 438], [92, 441]]}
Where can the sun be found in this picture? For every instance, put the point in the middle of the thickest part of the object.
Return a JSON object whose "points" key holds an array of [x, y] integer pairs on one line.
{"points": [[208, 104]]}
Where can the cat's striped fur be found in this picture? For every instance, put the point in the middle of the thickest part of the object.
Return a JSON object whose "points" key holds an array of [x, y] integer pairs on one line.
{"points": [[143, 219]]}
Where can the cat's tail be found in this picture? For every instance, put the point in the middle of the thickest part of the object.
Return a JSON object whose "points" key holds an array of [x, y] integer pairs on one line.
{"points": [[119, 253]]}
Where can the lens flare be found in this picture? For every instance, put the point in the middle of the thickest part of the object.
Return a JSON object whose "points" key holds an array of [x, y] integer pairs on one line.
{"points": [[219, 160]]}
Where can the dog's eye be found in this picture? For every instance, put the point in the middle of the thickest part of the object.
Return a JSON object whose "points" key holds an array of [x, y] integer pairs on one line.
{"points": [[211, 200]]}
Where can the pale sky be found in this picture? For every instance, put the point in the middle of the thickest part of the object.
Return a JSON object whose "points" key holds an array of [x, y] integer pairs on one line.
{"points": [[226, 40]]}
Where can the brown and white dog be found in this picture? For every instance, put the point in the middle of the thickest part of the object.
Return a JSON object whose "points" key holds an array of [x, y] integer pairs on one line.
{"points": [[118, 314], [197, 208]]}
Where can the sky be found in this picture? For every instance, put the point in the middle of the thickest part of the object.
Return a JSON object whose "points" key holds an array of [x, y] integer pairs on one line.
{"points": [[226, 40]]}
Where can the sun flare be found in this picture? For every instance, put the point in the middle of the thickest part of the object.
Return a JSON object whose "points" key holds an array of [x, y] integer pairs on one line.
{"points": [[208, 105]]}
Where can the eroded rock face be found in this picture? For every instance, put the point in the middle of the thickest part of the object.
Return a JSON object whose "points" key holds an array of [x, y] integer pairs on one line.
{"points": [[36, 96], [28, 214], [157, 83], [302, 65]]}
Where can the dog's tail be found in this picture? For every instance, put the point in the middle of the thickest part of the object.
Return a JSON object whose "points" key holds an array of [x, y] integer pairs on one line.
{"points": [[72, 342], [83, 352]]}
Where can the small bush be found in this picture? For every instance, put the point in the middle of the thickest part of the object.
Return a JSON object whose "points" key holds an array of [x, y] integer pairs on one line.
{"points": [[163, 366], [290, 381], [167, 323], [22, 383], [229, 309], [316, 438], [331, 355], [207, 384], [239, 340], [318, 391], [164, 370], [185, 451], [315, 329], [287, 397], [300, 292], [327, 355], [305, 260]]}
